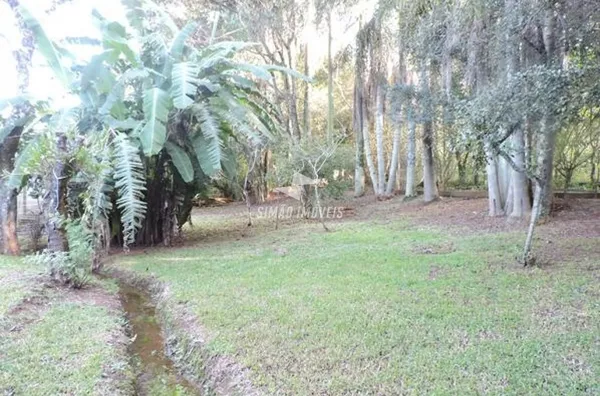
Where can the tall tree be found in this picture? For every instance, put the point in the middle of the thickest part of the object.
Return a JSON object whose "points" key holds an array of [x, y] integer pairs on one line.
{"points": [[22, 111]]}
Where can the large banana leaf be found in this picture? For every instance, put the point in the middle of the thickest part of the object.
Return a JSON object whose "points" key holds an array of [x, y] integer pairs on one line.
{"points": [[46, 47], [179, 42], [182, 161], [156, 112]]}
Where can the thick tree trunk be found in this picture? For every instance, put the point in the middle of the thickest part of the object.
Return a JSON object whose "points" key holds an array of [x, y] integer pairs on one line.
{"points": [[379, 138], [368, 155], [8, 196], [430, 188], [393, 171], [159, 224], [520, 190], [411, 158], [359, 120], [494, 196], [545, 151], [527, 258], [547, 139]]}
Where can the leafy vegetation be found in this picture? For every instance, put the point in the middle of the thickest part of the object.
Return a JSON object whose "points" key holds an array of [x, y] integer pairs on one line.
{"points": [[169, 105]]}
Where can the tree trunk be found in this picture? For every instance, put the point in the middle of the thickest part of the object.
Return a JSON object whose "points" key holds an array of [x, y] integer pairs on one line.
{"points": [[527, 258], [159, 224], [379, 138], [293, 98], [306, 114], [547, 139], [430, 188], [368, 155], [461, 163], [8, 196], [411, 158], [330, 104], [56, 200], [546, 143], [568, 178], [359, 121], [520, 190], [393, 172], [494, 197]]}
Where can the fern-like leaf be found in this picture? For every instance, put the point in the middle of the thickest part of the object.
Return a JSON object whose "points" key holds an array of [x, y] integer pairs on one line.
{"points": [[130, 183], [208, 143], [185, 82]]}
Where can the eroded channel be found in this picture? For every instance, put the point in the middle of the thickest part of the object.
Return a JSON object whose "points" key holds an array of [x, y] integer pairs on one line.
{"points": [[155, 372]]}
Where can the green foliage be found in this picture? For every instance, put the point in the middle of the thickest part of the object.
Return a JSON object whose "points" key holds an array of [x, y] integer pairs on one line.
{"points": [[149, 86], [156, 111], [74, 267], [338, 170], [335, 169], [182, 161], [47, 47], [130, 183]]}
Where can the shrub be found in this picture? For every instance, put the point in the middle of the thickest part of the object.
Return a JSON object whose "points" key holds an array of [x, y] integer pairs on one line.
{"points": [[338, 170], [74, 267]]}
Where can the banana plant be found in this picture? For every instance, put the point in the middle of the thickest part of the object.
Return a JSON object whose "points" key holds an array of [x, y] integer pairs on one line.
{"points": [[167, 111]]}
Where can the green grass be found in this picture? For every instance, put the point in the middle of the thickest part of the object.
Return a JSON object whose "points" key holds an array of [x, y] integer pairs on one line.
{"points": [[51, 346], [363, 310], [15, 282], [66, 352]]}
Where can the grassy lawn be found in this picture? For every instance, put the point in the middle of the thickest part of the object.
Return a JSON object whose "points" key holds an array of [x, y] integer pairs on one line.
{"points": [[388, 308], [14, 282], [55, 341]]}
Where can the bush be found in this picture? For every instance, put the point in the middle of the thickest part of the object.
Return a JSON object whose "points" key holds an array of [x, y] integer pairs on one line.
{"points": [[73, 268], [338, 170]]}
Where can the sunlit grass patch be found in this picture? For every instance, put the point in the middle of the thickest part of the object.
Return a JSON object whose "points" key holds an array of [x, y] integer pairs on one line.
{"points": [[359, 310], [15, 282], [69, 350]]}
